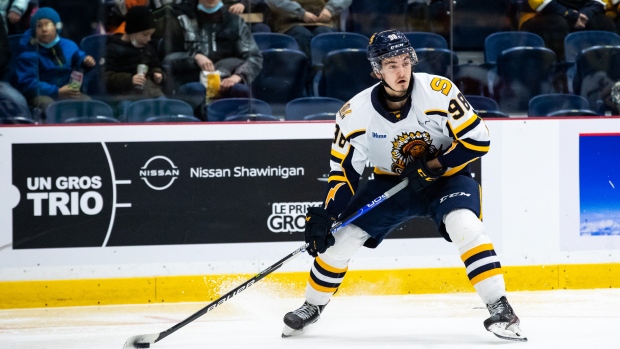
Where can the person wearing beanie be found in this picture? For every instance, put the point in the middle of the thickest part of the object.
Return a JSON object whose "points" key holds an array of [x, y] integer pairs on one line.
{"points": [[45, 67], [121, 8], [126, 52]]}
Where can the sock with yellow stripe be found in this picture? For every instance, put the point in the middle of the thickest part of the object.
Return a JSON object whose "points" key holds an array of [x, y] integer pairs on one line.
{"points": [[329, 268], [477, 253]]}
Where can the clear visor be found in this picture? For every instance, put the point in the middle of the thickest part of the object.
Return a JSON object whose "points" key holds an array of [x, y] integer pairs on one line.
{"points": [[376, 63]]}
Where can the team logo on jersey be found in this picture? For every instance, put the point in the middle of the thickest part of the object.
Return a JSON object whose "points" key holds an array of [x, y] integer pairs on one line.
{"points": [[409, 146], [345, 110]]}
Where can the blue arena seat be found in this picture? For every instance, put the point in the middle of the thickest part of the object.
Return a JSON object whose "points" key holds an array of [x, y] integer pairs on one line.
{"points": [[300, 108], [495, 43], [266, 40], [220, 109], [522, 73], [173, 118], [597, 71], [252, 117], [142, 110], [559, 104], [99, 119], [322, 44], [16, 120], [321, 116], [576, 42], [437, 61], [485, 107], [60, 111], [282, 78], [426, 39], [345, 73], [490, 114], [482, 102], [95, 45]]}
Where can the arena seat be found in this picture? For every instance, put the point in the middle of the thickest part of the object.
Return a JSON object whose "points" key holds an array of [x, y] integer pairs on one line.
{"points": [[437, 61], [522, 73], [59, 112], [300, 108], [252, 117], [426, 39], [322, 44], [266, 41], [220, 109], [142, 110], [345, 73], [559, 104], [282, 78], [576, 42]]}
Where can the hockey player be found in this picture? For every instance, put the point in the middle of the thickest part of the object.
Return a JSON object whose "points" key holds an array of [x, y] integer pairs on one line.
{"points": [[410, 125]]}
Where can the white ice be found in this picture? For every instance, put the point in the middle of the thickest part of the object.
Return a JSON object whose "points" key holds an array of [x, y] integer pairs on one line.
{"points": [[550, 319]]}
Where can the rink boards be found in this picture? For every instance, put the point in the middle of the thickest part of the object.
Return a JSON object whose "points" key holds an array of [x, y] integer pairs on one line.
{"points": [[166, 213]]}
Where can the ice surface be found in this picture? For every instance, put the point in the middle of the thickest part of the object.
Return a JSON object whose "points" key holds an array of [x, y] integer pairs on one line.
{"points": [[550, 319]]}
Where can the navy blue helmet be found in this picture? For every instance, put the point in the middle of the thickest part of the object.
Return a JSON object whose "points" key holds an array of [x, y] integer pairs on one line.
{"points": [[388, 43]]}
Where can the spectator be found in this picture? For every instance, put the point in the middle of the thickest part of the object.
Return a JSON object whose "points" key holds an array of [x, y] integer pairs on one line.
{"points": [[305, 19], [6, 89], [242, 6], [44, 69], [211, 38], [124, 52], [554, 20], [82, 17], [14, 12], [116, 13]]}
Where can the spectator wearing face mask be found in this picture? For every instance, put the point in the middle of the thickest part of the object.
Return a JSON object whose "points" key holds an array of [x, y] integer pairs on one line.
{"points": [[44, 69], [210, 38], [126, 52]]}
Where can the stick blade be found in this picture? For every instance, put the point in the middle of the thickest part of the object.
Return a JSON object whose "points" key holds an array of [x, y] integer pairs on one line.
{"points": [[141, 341]]}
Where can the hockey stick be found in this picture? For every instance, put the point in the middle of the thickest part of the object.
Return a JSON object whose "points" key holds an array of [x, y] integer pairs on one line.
{"points": [[145, 340]]}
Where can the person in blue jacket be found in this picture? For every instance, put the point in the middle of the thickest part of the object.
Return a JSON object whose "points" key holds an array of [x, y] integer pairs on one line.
{"points": [[47, 62]]}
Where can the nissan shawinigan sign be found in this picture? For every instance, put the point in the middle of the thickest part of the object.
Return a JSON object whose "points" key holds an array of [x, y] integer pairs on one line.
{"points": [[153, 193], [163, 193]]}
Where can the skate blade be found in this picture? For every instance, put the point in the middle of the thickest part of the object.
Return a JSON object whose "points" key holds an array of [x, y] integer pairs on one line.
{"points": [[290, 332], [511, 333]]}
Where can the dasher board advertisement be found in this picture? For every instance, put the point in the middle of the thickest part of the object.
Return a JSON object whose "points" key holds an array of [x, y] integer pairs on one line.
{"points": [[174, 192]]}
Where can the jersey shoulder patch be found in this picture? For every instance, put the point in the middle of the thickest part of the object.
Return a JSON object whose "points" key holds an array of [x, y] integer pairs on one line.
{"points": [[345, 110]]}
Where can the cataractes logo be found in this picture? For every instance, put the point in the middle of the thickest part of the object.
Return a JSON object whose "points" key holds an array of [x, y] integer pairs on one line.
{"points": [[409, 146]]}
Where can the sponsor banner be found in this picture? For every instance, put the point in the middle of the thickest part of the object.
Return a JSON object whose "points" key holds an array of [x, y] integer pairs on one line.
{"points": [[598, 187], [167, 193]]}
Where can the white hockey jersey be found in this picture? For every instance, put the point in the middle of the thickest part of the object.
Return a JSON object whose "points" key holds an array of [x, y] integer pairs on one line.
{"points": [[436, 117]]}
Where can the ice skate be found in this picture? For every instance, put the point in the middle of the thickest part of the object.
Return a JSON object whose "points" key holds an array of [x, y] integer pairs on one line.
{"points": [[504, 323], [295, 321]]}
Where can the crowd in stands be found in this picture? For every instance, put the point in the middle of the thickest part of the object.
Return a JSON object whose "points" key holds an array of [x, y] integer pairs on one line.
{"points": [[201, 51]]}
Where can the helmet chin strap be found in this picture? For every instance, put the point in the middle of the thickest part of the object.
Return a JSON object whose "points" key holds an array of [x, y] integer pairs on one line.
{"points": [[398, 98]]}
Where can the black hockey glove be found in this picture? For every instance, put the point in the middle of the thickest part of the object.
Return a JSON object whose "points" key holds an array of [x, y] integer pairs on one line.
{"points": [[318, 224], [419, 174]]}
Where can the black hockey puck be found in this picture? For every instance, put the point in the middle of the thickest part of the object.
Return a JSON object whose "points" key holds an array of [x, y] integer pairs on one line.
{"points": [[141, 345]]}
